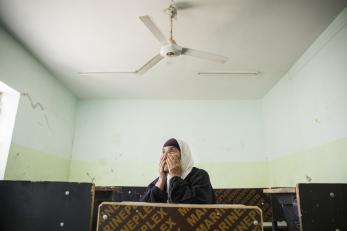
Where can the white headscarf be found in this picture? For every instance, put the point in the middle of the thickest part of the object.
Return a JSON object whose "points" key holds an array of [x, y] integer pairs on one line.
{"points": [[186, 158], [187, 162]]}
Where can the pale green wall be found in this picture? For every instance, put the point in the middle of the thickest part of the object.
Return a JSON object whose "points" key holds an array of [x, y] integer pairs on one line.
{"points": [[140, 173], [42, 138], [29, 164], [305, 114], [324, 163], [296, 133], [299, 134], [118, 142]]}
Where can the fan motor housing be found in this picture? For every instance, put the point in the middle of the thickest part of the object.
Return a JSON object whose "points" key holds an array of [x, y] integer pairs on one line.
{"points": [[170, 50]]}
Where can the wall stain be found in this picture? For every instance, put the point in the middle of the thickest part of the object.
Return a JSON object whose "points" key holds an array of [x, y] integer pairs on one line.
{"points": [[317, 120], [242, 144], [91, 178], [118, 156], [17, 156], [113, 172]]}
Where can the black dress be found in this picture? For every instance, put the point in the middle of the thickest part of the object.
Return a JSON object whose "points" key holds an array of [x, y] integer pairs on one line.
{"points": [[196, 188]]}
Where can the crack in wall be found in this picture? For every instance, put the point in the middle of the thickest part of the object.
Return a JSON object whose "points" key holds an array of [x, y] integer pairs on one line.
{"points": [[33, 105], [37, 105]]}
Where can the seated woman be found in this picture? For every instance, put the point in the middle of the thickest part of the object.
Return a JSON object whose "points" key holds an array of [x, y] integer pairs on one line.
{"points": [[179, 181]]}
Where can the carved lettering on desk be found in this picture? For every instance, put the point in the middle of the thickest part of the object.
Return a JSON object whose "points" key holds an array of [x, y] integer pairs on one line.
{"points": [[233, 221], [210, 221], [196, 216], [146, 218], [156, 219], [120, 215], [183, 211]]}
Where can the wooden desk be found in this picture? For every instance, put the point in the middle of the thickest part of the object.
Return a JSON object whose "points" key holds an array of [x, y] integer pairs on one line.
{"points": [[280, 190], [163, 216]]}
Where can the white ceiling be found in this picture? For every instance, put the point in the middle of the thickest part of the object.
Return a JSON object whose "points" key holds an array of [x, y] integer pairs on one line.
{"points": [[103, 35]]}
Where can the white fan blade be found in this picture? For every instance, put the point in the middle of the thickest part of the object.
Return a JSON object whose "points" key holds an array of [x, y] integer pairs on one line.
{"points": [[154, 29], [204, 55], [156, 59]]}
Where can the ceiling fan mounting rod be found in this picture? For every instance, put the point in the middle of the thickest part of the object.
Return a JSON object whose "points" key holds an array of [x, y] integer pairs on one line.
{"points": [[171, 36], [172, 12]]}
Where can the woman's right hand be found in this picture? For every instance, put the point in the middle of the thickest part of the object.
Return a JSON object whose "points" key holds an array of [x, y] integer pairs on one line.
{"points": [[162, 173]]}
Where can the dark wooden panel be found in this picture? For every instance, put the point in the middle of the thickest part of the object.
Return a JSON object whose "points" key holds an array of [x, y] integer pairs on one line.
{"points": [[284, 208], [26, 205], [156, 216], [323, 206], [246, 196]]}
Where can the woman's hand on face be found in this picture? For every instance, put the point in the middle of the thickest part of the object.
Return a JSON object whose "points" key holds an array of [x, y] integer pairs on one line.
{"points": [[162, 164], [162, 174], [174, 165]]}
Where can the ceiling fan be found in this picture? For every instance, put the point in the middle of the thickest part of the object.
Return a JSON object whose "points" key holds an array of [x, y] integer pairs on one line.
{"points": [[169, 47]]}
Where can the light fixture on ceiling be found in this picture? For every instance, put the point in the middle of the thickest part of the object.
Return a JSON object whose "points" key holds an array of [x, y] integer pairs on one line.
{"points": [[232, 74], [90, 73]]}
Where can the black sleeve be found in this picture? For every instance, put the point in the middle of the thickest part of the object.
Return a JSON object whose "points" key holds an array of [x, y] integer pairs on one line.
{"points": [[154, 194], [195, 190]]}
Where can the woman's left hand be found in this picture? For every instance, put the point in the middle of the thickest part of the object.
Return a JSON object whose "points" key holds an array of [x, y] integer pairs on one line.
{"points": [[174, 165]]}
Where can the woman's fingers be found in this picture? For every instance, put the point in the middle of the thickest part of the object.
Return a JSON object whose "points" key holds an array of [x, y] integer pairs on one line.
{"points": [[172, 163], [162, 157], [162, 165], [174, 166], [168, 162], [169, 156], [173, 159], [162, 160]]}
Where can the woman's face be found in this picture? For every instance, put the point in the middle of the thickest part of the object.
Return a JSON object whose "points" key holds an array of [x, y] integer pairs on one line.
{"points": [[172, 151]]}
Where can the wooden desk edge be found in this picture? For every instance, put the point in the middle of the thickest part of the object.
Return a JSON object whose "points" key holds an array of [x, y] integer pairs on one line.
{"points": [[280, 190]]}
